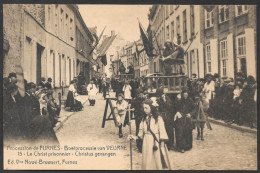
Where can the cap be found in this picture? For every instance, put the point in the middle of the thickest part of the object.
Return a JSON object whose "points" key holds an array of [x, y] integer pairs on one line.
{"points": [[12, 75]]}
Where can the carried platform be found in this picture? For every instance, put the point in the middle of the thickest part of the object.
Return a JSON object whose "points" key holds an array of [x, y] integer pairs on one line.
{"points": [[171, 84]]}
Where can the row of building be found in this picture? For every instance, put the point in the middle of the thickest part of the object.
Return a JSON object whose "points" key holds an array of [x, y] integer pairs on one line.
{"points": [[48, 40], [221, 41]]}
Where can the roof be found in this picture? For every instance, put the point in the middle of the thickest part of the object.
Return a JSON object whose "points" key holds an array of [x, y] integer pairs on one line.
{"points": [[102, 49]]}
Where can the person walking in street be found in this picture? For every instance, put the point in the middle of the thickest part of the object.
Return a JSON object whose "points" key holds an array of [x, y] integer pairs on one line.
{"points": [[154, 135], [166, 110], [92, 92], [127, 90], [138, 113], [120, 112], [183, 124], [105, 88]]}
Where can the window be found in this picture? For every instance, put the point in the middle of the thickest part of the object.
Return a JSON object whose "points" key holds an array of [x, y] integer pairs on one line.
{"points": [[208, 58], [178, 28], [208, 19], [241, 9], [172, 31], [241, 46], [192, 20], [223, 13], [167, 32], [184, 26], [223, 57]]}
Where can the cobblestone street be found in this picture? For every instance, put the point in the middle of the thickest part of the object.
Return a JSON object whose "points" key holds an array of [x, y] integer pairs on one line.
{"points": [[224, 148]]}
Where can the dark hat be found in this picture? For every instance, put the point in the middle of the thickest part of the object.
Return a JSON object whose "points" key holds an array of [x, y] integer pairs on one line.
{"points": [[159, 91], [30, 86], [49, 79], [12, 75], [250, 80]]}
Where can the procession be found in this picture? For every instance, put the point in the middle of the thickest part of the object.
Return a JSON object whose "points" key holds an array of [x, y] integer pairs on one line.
{"points": [[162, 98]]}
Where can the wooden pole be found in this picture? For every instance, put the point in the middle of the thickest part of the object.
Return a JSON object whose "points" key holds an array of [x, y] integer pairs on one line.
{"points": [[129, 117]]}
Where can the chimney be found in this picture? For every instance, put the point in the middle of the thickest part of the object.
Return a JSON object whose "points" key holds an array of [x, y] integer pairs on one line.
{"points": [[113, 33]]}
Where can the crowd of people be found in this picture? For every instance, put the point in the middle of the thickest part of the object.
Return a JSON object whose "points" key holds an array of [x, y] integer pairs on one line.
{"points": [[29, 118], [160, 120]]}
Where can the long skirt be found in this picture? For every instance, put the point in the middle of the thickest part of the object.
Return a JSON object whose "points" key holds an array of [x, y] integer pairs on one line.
{"points": [[152, 159], [183, 132], [70, 99]]}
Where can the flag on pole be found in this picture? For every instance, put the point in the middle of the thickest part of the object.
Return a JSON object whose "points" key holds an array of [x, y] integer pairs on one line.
{"points": [[97, 41], [148, 46], [208, 8], [104, 59]]}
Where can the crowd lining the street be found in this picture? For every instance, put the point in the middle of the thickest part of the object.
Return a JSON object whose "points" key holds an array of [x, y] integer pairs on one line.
{"points": [[158, 119]]}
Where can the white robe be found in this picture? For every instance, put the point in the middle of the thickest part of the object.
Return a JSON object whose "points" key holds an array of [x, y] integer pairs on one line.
{"points": [[92, 91], [208, 89], [127, 91]]}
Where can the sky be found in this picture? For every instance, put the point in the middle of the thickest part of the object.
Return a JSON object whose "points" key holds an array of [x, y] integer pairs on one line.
{"points": [[120, 18]]}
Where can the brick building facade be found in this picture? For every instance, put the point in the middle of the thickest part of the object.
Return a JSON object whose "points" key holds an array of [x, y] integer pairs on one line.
{"points": [[229, 39], [44, 40]]}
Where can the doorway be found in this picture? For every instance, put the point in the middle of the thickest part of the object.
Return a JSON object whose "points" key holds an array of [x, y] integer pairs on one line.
{"points": [[39, 63]]}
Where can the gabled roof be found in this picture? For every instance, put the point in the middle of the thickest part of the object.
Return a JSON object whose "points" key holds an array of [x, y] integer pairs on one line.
{"points": [[102, 49]]}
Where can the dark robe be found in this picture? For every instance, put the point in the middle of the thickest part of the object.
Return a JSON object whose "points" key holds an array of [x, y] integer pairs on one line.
{"points": [[166, 111], [136, 103], [248, 105], [11, 119], [184, 126], [48, 85]]}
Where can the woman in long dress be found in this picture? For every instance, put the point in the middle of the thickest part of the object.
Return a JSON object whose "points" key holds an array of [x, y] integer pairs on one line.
{"points": [[153, 133], [71, 102], [183, 124]]}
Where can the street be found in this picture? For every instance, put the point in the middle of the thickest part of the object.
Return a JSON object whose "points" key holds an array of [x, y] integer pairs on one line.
{"points": [[224, 148]]}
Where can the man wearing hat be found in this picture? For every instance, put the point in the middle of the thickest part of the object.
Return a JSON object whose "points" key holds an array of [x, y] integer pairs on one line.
{"points": [[48, 84], [166, 110], [11, 115], [12, 78], [136, 103]]}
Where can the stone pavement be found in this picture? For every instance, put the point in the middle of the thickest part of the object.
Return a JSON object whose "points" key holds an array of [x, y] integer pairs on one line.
{"points": [[65, 113], [224, 148]]}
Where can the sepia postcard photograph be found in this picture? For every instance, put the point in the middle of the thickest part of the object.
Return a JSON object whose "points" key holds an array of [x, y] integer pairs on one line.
{"points": [[129, 87]]}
